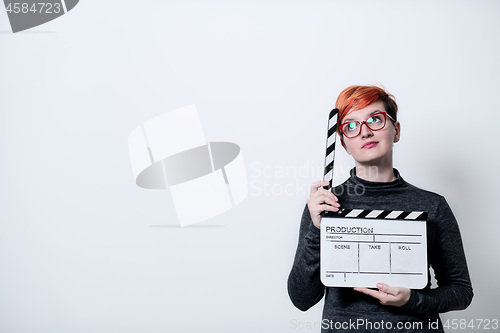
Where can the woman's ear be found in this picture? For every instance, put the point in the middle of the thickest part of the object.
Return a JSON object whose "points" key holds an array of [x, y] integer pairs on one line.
{"points": [[397, 127]]}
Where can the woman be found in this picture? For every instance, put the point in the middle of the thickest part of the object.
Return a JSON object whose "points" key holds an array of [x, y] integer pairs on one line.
{"points": [[368, 128]]}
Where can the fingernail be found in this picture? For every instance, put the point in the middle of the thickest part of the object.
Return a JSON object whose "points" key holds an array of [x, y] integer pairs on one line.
{"points": [[379, 286]]}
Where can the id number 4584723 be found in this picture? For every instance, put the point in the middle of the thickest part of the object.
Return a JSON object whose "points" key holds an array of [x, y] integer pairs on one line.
{"points": [[471, 324], [37, 7]]}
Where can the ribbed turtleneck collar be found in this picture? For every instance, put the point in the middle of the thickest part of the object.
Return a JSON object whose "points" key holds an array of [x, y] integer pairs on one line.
{"points": [[355, 180]]}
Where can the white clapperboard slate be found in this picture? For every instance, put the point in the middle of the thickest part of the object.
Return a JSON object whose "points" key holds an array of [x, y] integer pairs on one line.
{"points": [[360, 248]]}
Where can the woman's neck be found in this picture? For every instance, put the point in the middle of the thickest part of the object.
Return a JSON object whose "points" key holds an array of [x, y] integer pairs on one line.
{"points": [[376, 173]]}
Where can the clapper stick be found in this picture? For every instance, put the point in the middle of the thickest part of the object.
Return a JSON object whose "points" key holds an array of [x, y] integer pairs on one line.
{"points": [[330, 147]]}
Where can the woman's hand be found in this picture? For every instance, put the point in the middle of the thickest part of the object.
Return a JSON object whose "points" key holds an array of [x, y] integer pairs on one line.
{"points": [[321, 200], [387, 295]]}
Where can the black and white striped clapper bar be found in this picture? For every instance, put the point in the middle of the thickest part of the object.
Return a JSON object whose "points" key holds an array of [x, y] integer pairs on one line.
{"points": [[360, 248], [330, 147], [380, 214]]}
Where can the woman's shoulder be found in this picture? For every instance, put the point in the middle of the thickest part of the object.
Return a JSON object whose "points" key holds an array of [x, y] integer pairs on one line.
{"points": [[434, 203], [423, 192]]}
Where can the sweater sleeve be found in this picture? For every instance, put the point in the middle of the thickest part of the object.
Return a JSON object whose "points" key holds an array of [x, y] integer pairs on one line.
{"points": [[304, 285], [447, 258]]}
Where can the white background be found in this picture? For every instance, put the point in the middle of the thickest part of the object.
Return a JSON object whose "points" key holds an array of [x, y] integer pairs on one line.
{"points": [[83, 249]]}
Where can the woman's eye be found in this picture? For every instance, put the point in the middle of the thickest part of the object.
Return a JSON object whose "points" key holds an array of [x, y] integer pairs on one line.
{"points": [[374, 119], [351, 126]]}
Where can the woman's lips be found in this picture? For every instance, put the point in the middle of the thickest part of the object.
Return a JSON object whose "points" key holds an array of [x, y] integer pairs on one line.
{"points": [[369, 145]]}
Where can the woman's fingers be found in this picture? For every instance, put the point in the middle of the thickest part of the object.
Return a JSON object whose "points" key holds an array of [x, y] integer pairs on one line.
{"points": [[387, 295], [369, 292], [317, 209], [324, 196], [318, 184], [321, 200], [329, 208], [320, 197], [388, 289]]}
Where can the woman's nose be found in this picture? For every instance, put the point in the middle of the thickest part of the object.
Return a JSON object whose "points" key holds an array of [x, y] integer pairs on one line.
{"points": [[366, 132]]}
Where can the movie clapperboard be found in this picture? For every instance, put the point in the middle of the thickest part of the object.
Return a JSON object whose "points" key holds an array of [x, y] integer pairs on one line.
{"points": [[360, 248]]}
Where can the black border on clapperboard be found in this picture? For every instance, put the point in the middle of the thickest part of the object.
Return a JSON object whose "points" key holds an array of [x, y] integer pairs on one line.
{"points": [[381, 217]]}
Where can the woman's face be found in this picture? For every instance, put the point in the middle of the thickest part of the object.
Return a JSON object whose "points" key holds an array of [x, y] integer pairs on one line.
{"points": [[372, 148]]}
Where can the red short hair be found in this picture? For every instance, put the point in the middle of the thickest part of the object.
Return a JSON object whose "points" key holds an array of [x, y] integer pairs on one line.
{"points": [[357, 97]]}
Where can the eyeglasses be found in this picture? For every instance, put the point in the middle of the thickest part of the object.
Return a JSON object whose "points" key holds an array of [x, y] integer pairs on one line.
{"points": [[376, 122]]}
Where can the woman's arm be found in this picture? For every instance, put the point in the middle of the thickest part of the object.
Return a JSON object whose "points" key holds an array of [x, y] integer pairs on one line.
{"points": [[447, 258], [304, 284]]}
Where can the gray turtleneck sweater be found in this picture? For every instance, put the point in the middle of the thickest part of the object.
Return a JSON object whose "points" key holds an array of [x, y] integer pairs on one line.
{"points": [[346, 310]]}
